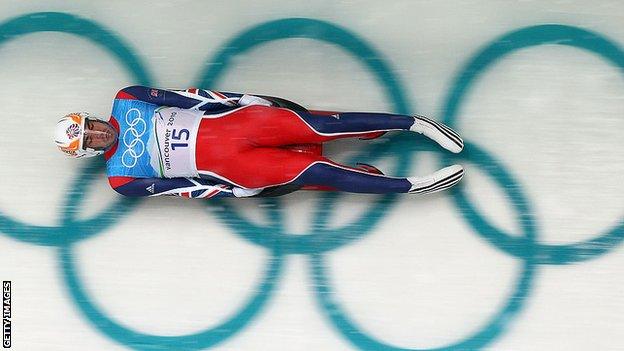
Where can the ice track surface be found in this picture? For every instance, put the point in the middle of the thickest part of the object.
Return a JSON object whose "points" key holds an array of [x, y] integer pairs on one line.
{"points": [[526, 254]]}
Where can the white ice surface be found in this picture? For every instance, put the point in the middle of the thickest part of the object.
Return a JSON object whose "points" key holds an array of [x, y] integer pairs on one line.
{"points": [[422, 276]]}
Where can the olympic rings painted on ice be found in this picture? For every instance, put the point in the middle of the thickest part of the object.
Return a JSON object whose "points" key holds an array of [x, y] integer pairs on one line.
{"points": [[321, 239]]}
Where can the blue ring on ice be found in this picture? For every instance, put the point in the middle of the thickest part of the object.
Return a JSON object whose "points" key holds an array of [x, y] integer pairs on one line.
{"points": [[72, 229], [464, 81], [497, 324]]}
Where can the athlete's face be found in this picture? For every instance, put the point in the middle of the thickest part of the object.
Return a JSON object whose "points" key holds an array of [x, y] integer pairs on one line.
{"points": [[98, 135]]}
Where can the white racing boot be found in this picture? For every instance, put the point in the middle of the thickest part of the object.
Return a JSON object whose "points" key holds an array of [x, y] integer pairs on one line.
{"points": [[438, 132], [437, 181]]}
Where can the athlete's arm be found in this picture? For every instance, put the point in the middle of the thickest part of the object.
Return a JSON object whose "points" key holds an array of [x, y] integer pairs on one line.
{"points": [[185, 187], [193, 99]]}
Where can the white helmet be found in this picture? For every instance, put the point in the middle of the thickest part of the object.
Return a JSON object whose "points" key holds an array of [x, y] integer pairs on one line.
{"points": [[69, 136]]}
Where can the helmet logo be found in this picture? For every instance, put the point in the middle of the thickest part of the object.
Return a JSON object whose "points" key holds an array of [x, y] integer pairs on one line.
{"points": [[73, 131]]}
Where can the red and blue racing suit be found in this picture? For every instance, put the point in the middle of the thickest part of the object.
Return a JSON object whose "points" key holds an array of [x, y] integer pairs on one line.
{"points": [[200, 144]]}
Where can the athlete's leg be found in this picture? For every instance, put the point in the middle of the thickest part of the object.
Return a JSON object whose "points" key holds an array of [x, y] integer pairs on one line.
{"points": [[266, 167], [234, 148], [277, 127], [347, 179], [342, 178]]}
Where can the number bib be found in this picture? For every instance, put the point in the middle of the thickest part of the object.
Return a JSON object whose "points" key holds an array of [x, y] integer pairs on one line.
{"points": [[175, 132]]}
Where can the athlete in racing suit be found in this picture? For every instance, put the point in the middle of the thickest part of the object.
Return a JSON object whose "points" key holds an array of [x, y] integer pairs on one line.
{"points": [[200, 144]]}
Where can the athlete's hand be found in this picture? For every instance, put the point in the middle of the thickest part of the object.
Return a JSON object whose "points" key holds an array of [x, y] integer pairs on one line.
{"points": [[253, 100], [240, 192]]}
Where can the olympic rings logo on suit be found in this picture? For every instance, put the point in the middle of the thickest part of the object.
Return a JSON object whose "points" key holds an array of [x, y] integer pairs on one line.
{"points": [[322, 238], [131, 151]]}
